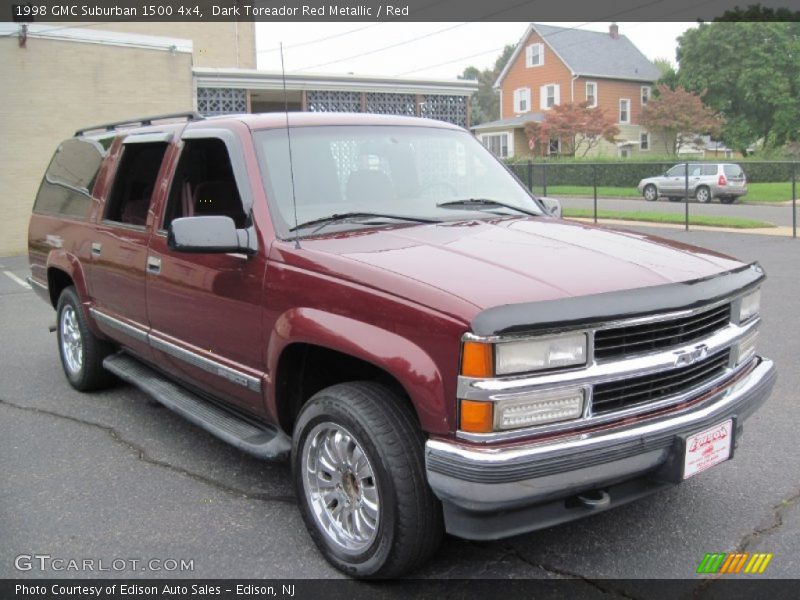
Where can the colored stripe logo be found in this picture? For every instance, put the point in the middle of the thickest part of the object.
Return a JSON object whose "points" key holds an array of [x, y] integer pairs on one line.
{"points": [[733, 563]]}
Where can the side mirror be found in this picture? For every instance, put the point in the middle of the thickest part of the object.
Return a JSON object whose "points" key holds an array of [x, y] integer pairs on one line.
{"points": [[551, 206], [211, 234]]}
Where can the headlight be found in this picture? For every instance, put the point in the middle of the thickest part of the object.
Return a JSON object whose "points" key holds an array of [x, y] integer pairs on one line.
{"points": [[540, 353], [749, 306]]}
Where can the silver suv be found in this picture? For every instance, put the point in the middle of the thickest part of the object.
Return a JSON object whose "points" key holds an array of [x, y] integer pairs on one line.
{"points": [[725, 181]]}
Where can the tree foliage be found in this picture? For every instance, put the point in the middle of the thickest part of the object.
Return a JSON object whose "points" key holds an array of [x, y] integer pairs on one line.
{"points": [[485, 103], [669, 76], [678, 117], [579, 127], [750, 73]]}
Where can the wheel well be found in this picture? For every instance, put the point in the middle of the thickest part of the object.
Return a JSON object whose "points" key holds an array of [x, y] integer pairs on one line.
{"points": [[305, 369], [57, 280]]}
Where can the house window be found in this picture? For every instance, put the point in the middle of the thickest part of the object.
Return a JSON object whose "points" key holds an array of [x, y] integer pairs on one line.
{"points": [[624, 153], [498, 144], [522, 100], [644, 141], [624, 110], [591, 94], [534, 55], [645, 94], [550, 95], [554, 147], [728, 153]]}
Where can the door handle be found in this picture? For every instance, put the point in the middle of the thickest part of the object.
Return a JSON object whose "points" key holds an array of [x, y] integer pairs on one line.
{"points": [[153, 265], [97, 247]]}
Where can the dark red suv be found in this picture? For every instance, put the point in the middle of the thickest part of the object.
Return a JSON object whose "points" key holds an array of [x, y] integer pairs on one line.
{"points": [[380, 299]]}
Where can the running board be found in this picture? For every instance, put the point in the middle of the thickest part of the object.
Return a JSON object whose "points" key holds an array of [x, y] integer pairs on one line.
{"points": [[254, 438]]}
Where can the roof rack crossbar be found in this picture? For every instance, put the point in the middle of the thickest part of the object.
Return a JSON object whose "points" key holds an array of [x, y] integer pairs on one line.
{"points": [[189, 116]]}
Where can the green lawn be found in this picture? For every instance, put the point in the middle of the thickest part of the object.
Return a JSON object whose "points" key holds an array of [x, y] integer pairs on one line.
{"points": [[654, 217], [756, 192]]}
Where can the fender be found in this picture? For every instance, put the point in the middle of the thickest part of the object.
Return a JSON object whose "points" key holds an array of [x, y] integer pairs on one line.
{"points": [[72, 266], [404, 360]]}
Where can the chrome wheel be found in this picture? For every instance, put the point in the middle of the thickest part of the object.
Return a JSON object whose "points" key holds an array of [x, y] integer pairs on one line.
{"points": [[703, 195], [340, 487], [650, 193], [71, 341]]}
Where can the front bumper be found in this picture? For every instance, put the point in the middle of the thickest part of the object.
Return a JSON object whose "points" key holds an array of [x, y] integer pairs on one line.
{"points": [[490, 493]]}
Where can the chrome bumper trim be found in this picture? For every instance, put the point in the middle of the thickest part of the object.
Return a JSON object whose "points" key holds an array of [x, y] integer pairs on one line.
{"points": [[491, 478]]}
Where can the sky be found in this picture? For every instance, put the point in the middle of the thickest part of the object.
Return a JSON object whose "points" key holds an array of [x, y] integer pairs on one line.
{"points": [[424, 50]]}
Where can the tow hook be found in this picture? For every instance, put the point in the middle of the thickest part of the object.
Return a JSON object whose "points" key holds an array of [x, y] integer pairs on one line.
{"points": [[594, 499]]}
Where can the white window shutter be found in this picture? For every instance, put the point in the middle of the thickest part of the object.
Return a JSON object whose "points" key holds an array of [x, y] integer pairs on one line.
{"points": [[557, 94], [526, 95], [516, 101], [543, 97], [529, 55]]}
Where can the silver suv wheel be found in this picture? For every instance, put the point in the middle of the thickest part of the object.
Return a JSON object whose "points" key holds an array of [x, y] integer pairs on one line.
{"points": [[71, 341], [703, 195], [650, 193], [340, 487]]}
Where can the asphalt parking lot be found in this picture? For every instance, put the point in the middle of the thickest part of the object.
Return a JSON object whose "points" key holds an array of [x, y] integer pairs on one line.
{"points": [[114, 475]]}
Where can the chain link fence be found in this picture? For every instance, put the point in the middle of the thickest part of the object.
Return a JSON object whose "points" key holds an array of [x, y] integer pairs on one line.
{"points": [[771, 184]]}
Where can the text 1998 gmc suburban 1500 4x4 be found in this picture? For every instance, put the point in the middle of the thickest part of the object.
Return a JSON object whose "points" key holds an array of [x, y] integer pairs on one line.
{"points": [[381, 300]]}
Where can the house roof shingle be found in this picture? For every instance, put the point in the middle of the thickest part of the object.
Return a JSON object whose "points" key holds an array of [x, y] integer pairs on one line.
{"points": [[592, 54]]}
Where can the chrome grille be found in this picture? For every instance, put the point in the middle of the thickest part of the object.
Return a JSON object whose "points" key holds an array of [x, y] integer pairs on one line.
{"points": [[649, 337], [616, 395]]}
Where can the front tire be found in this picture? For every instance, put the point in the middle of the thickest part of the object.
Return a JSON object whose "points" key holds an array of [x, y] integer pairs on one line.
{"points": [[81, 352], [650, 193], [703, 195], [359, 475]]}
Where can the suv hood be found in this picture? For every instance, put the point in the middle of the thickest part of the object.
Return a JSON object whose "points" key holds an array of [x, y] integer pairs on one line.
{"points": [[487, 263]]}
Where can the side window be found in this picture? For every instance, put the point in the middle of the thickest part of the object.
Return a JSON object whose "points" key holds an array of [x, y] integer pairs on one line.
{"points": [[709, 169], [134, 183], [204, 184], [733, 170], [68, 183], [677, 171]]}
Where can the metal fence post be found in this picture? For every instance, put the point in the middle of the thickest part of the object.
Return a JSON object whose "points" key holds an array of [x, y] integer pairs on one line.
{"points": [[594, 185], [544, 179], [530, 174], [794, 200], [686, 197]]}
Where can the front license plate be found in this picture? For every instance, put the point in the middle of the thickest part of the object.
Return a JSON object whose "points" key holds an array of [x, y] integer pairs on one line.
{"points": [[708, 448]]}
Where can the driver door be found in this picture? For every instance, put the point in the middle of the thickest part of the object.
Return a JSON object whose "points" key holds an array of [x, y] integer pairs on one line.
{"points": [[205, 309]]}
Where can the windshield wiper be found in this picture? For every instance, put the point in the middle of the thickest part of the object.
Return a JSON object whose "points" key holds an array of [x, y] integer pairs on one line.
{"points": [[337, 218], [482, 203]]}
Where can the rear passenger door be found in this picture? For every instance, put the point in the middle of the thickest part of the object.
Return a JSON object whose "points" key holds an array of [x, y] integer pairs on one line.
{"points": [[120, 241], [205, 309]]}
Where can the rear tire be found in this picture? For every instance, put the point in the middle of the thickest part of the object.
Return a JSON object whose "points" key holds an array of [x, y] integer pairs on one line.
{"points": [[81, 352], [359, 475], [703, 195], [650, 192]]}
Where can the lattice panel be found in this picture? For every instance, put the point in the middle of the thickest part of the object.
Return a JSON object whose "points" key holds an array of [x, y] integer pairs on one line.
{"points": [[334, 102], [452, 109], [221, 101], [391, 104]]}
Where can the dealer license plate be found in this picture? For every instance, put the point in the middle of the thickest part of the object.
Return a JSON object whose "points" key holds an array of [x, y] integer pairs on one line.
{"points": [[708, 448]]}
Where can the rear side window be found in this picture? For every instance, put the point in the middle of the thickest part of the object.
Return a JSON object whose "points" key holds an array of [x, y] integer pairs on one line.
{"points": [[733, 170], [134, 183], [709, 169], [68, 183]]}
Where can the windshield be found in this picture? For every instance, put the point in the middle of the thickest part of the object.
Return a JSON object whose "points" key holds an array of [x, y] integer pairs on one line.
{"points": [[400, 171]]}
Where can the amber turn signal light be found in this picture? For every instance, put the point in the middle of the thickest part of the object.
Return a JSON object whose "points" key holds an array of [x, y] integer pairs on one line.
{"points": [[476, 417], [477, 360]]}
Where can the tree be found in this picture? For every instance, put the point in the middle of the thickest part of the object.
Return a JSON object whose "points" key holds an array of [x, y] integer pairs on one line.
{"points": [[678, 117], [750, 73], [579, 127], [485, 103], [669, 76]]}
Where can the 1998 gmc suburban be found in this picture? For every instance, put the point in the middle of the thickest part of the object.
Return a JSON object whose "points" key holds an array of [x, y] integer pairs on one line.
{"points": [[380, 299]]}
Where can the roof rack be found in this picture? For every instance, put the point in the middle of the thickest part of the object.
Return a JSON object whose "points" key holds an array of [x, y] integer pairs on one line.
{"points": [[189, 116]]}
